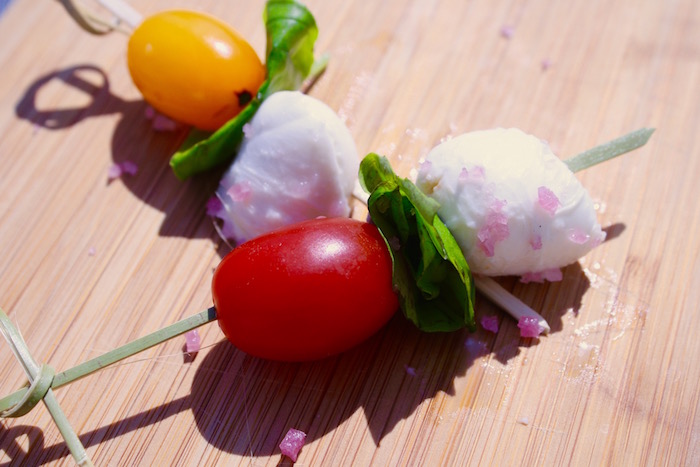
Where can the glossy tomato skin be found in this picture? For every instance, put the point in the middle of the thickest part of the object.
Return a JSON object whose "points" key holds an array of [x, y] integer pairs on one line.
{"points": [[193, 67], [307, 291]]}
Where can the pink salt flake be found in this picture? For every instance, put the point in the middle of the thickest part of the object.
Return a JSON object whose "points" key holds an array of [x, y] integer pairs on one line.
{"points": [[163, 123], [475, 174], [149, 113], [490, 323], [529, 327], [463, 175], [113, 172], [546, 64], [292, 443], [121, 168], [551, 275], [536, 242], [547, 200], [92, 251], [578, 236], [193, 342], [494, 230], [214, 206], [598, 239], [240, 192], [410, 370], [507, 31], [129, 167], [478, 172], [425, 166]]}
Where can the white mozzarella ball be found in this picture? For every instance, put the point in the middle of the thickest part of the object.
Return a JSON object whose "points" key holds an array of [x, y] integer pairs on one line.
{"points": [[297, 161], [512, 205]]}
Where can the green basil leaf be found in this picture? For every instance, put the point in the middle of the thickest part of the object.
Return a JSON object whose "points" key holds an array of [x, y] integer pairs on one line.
{"points": [[291, 35], [431, 275]]}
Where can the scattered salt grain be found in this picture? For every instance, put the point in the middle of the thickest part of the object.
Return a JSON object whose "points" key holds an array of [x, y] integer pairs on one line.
{"points": [[551, 275], [192, 341], [547, 200], [529, 327], [149, 113], [536, 242], [546, 64], [113, 172], [163, 123], [494, 230], [240, 192], [490, 323], [129, 168], [248, 130], [578, 236], [160, 122], [425, 166], [214, 206], [121, 168], [292, 443], [92, 251], [410, 370], [507, 31], [524, 421]]}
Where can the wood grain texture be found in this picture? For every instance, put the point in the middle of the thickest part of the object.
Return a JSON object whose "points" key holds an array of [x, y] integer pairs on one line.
{"points": [[87, 265]]}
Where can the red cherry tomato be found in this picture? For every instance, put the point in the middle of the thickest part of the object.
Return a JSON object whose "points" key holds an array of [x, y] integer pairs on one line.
{"points": [[193, 67], [307, 291]]}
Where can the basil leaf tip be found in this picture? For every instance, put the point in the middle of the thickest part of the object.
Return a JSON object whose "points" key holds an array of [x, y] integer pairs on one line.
{"points": [[431, 275]]}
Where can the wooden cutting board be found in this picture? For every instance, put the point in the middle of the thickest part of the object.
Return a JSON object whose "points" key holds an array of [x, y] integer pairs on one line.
{"points": [[87, 265]]}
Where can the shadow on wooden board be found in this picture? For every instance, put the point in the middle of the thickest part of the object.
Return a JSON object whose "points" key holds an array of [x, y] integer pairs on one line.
{"points": [[245, 405], [134, 140]]}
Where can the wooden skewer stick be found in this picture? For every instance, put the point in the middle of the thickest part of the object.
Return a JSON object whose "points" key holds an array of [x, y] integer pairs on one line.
{"points": [[507, 301], [122, 15]]}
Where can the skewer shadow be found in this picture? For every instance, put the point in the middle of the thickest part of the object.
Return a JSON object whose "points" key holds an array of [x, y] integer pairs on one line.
{"points": [[245, 405], [133, 140]]}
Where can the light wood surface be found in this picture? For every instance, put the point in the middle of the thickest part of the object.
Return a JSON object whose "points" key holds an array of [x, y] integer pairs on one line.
{"points": [[87, 265]]}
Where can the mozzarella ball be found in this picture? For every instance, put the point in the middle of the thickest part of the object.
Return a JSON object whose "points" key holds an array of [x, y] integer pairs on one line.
{"points": [[297, 161], [511, 204]]}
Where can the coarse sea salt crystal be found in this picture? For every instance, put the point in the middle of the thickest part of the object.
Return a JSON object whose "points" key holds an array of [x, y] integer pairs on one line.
{"points": [[193, 342], [113, 172], [577, 236], [164, 124], [240, 192], [507, 31], [121, 168], [529, 327], [214, 206], [536, 242], [547, 200], [129, 167], [551, 275], [490, 323], [292, 443], [494, 230]]}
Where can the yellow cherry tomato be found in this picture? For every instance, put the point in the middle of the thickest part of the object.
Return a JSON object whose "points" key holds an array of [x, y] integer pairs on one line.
{"points": [[193, 68]]}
